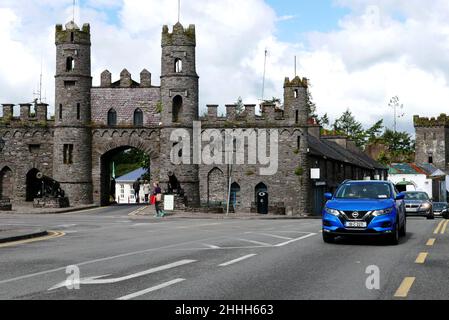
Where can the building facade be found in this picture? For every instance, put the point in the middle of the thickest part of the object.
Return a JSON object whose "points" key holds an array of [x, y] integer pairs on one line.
{"points": [[92, 124]]}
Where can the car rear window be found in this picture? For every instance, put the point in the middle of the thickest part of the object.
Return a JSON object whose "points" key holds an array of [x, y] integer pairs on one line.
{"points": [[420, 196]]}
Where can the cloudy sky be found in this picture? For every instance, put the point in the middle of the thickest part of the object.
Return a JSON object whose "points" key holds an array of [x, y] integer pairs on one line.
{"points": [[356, 53]]}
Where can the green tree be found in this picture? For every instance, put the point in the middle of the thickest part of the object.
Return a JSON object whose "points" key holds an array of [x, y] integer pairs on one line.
{"points": [[375, 132], [347, 125], [239, 106]]}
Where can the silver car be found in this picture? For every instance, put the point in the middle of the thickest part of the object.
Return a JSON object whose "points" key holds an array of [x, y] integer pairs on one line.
{"points": [[440, 209], [419, 204]]}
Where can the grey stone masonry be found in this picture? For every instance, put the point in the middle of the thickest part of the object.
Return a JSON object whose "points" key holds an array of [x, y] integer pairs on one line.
{"points": [[432, 141]]}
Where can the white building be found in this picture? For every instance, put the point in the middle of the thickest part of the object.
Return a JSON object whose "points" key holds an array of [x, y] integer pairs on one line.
{"points": [[124, 191]]}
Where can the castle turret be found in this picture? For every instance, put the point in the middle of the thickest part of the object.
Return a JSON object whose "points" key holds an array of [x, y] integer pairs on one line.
{"points": [[179, 95], [72, 137], [295, 101]]}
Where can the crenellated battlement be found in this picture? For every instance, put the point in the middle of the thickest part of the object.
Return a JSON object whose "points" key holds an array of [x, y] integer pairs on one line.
{"points": [[423, 122], [126, 80], [38, 116], [72, 33], [296, 82], [269, 113], [179, 35]]}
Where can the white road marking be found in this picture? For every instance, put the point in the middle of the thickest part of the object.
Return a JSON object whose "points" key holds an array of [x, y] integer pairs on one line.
{"points": [[271, 235], [211, 246], [254, 242], [198, 225], [236, 260], [66, 226], [97, 281], [159, 287], [294, 240]]}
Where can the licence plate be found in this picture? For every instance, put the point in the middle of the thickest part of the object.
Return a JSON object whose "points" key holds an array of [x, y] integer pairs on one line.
{"points": [[355, 224]]}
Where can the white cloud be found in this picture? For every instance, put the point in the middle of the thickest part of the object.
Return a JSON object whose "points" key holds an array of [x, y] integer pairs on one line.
{"points": [[398, 47]]}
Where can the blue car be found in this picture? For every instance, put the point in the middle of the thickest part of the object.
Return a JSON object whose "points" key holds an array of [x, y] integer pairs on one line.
{"points": [[371, 208]]}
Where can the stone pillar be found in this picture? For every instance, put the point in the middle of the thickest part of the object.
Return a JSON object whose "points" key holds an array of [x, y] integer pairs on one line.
{"points": [[231, 111], [8, 111], [41, 111], [145, 79], [25, 111], [212, 111], [125, 79], [106, 79]]}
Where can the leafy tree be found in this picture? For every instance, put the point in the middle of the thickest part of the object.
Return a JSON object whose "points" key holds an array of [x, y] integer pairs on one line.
{"points": [[324, 121], [347, 125], [374, 133], [239, 106]]}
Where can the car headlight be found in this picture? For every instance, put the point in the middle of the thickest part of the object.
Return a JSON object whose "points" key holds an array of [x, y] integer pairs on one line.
{"points": [[425, 206], [378, 213], [332, 212]]}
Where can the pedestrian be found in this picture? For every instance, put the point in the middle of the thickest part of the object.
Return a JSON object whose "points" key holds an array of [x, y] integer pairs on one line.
{"points": [[157, 193], [136, 187], [146, 190]]}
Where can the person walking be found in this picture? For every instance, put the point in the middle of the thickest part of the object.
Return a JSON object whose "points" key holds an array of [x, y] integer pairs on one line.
{"points": [[157, 193], [136, 187], [146, 190]]}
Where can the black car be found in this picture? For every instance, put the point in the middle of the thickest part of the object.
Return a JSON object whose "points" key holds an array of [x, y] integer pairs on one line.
{"points": [[419, 204], [440, 209]]}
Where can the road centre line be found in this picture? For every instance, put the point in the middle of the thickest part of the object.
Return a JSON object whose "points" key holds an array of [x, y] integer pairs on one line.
{"points": [[437, 230], [146, 291], [431, 242], [405, 287], [421, 258], [237, 260]]}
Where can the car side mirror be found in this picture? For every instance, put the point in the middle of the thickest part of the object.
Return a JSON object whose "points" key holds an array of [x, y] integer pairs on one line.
{"points": [[400, 196], [328, 196]]}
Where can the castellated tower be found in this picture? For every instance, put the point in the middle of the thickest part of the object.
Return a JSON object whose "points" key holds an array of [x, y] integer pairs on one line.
{"points": [[72, 138], [179, 95]]}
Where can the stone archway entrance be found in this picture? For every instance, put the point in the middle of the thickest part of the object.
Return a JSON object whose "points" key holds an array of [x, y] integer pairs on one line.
{"points": [[6, 183]]}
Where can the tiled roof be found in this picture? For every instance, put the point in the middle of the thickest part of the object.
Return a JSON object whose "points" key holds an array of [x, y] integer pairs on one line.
{"points": [[332, 150], [414, 168], [132, 176]]}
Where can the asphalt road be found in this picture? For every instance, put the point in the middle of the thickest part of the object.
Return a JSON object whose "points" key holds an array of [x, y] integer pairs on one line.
{"points": [[125, 257]]}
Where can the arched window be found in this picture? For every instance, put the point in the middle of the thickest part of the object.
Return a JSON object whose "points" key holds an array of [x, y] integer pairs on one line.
{"points": [[178, 65], [177, 108], [70, 64], [112, 118], [6, 183], [138, 118]]}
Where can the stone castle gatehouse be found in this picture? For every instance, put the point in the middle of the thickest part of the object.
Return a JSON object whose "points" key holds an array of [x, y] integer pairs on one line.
{"points": [[92, 124]]}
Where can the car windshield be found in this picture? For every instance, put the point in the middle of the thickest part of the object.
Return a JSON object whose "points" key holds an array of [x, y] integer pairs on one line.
{"points": [[419, 196], [364, 191], [440, 205]]}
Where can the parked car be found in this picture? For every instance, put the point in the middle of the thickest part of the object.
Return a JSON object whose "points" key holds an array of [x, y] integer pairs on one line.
{"points": [[440, 209], [418, 204], [371, 208]]}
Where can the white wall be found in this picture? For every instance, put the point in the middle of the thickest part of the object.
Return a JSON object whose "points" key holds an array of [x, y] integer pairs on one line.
{"points": [[126, 194], [421, 181]]}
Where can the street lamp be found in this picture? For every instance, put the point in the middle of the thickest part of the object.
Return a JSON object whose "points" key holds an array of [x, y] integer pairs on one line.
{"points": [[2, 144]]}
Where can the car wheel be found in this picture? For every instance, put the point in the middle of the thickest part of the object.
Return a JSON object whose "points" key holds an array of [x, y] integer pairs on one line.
{"points": [[327, 238], [403, 231], [393, 239]]}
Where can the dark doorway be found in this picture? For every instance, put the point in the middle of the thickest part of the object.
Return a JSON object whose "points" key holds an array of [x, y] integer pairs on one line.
{"points": [[262, 199], [6, 183], [235, 194], [33, 185], [177, 108]]}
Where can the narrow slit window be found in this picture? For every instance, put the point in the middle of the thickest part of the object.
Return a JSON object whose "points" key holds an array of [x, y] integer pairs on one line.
{"points": [[78, 111], [68, 154], [70, 64], [112, 118], [298, 143], [178, 65], [296, 93], [60, 112], [72, 37], [138, 118], [297, 116]]}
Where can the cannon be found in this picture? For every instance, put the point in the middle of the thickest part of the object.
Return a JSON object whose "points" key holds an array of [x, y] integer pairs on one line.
{"points": [[50, 187], [174, 187]]}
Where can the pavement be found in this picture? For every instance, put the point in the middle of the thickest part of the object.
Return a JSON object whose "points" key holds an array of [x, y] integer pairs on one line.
{"points": [[12, 234], [106, 254]]}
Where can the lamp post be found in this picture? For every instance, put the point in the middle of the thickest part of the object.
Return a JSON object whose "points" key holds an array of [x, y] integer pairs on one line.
{"points": [[2, 144]]}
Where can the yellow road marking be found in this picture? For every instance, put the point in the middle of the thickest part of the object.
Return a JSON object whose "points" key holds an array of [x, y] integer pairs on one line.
{"points": [[437, 230], [405, 287], [51, 235], [422, 257], [443, 230], [431, 242]]}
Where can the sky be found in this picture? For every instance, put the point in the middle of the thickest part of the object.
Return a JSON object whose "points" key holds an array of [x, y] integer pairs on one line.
{"points": [[357, 54]]}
